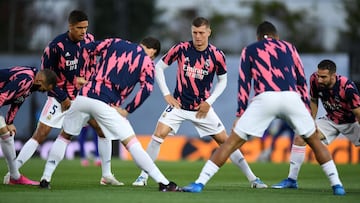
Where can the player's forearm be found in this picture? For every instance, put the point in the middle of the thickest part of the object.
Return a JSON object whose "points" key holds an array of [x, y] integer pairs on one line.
{"points": [[143, 93], [160, 77], [219, 89], [314, 107], [10, 116]]}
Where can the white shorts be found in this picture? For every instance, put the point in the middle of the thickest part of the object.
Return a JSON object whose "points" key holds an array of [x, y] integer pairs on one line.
{"points": [[2, 122], [332, 130], [51, 114], [268, 106], [114, 126], [210, 125]]}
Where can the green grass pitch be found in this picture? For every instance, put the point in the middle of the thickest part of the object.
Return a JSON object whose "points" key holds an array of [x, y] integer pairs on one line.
{"points": [[73, 183]]}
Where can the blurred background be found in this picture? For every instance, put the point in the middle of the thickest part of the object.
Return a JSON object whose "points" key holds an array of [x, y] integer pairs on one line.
{"points": [[315, 26], [319, 28]]}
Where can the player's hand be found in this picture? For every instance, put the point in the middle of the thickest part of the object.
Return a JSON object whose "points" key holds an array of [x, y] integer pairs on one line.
{"points": [[202, 109], [172, 101], [65, 105], [12, 129], [121, 111], [80, 81]]}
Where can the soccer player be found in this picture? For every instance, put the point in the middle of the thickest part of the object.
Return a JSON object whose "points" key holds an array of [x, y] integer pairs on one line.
{"points": [[280, 91], [341, 100], [16, 84], [61, 56], [198, 62], [102, 97]]}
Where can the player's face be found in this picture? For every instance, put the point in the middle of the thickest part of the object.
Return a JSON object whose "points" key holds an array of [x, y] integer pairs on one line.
{"points": [[40, 84], [150, 52], [78, 30], [200, 37], [325, 78]]}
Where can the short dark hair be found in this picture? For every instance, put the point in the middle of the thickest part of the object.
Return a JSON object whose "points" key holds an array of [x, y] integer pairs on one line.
{"points": [[152, 43], [51, 77], [200, 21], [265, 28], [77, 16], [327, 65]]}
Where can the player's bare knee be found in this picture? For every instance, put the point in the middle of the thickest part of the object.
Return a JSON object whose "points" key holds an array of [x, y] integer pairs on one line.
{"points": [[3, 128], [162, 132], [99, 132], [96, 127], [65, 135], [299, 141], [220, 138], [41, 133]]}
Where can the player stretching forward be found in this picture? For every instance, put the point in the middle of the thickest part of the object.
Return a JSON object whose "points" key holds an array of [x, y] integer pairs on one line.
{"points": [[198, 62], [16, 84], [277, 73], [341, 101], [61, 56], [119, 59]]}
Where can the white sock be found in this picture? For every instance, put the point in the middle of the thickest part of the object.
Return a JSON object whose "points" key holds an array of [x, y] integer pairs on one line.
{"points": [[238, 159], [297, 157], [8, 149], [26, 152], [153, 150], [105, 151], [207, 172], [331, 172], [56, 155], [143, 160]]}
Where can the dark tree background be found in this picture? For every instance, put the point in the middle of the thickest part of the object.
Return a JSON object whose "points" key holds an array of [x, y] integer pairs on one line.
{"points": [[350, 38], [293, 26], [134, 19], [128, 19], [13, 33]]}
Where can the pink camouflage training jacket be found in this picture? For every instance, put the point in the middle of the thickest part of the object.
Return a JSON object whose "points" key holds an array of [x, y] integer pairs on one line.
{"points": [[272, 65], [15, 86], [121, 65], [195, 74], [337, 101], [62, 56]]}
